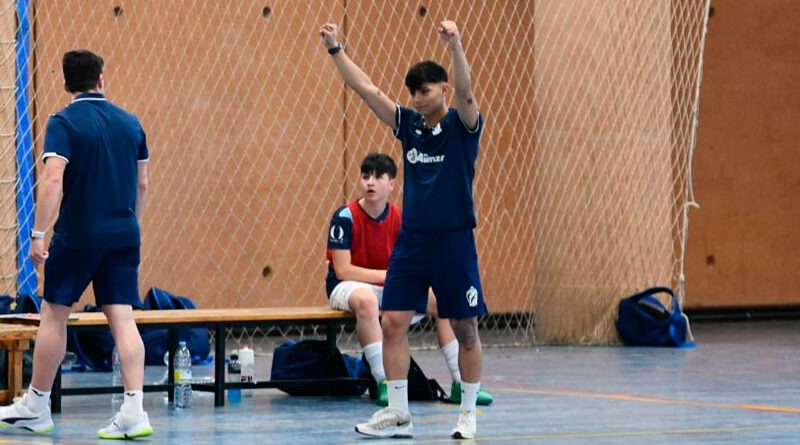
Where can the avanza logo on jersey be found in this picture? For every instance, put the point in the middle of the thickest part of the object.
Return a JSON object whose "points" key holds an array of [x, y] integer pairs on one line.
{"points": [[414, 157]]}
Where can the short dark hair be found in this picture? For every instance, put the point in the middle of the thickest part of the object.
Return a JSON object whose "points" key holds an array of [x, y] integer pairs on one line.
{"points": [[424, 72], [378, 164], [82, 70]]}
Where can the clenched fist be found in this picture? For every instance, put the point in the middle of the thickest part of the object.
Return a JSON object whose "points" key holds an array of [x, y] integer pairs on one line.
{"points": [[329, 33], [448, 31]]}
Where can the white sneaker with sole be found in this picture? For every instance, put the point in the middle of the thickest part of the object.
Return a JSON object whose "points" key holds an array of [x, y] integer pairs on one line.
{"points": [[18, 415], [466, 427], [126, 427], [387, 422]]}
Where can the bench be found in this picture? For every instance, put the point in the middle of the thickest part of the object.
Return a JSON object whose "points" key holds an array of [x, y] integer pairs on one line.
{"points": [[15, 339], [217, 320]]}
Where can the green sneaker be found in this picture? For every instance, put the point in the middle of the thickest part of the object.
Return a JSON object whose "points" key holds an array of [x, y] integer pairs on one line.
{"points": [[383, 394], [484, 398]]}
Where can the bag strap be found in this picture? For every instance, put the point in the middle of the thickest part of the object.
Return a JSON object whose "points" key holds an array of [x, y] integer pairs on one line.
{"points": [[159, 299], [184, 303], [437, 388], [438, 392], [676, 307], [653, 291]]}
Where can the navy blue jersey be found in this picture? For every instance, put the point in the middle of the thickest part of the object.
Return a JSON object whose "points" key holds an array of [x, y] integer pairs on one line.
{"points": [[439, 167], [102, 144]]}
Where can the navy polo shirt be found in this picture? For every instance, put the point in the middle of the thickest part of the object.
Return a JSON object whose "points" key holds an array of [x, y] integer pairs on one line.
{"points": [[102, 144], [439, 168]]}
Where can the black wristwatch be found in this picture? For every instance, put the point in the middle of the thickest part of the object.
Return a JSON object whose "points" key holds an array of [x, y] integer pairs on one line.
{"points": [[335, 50]]}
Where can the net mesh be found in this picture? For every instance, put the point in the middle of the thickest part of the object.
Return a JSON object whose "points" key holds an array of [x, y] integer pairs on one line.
{"points": [[582, 183]]}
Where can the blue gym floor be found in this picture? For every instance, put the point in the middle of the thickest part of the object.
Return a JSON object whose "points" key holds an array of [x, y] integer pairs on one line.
{"points": [[740, 385]]}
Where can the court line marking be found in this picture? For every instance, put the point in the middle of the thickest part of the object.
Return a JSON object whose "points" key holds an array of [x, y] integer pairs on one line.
{"points": [[602, 434], [653, 399]]}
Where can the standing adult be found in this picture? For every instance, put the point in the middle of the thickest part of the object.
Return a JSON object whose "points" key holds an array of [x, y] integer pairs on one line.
{"points": [[95, 162]]}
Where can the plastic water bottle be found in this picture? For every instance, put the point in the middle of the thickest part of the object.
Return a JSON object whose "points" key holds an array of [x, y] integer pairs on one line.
{"points": [[116, 379], [183, 377], [247, 360], [234, 375]]}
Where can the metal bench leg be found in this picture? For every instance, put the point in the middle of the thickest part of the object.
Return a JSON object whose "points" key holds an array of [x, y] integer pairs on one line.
{"points": [[219, 366], [330, 336], [172, 341]]}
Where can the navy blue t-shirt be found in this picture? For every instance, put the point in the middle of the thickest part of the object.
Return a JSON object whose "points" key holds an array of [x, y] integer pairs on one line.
{"points": [[102, 144], [439, 168]]}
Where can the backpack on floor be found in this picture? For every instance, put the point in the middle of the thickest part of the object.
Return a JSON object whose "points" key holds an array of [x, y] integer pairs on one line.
{"points": [[420, 387], [310, 360], [644, 321]]}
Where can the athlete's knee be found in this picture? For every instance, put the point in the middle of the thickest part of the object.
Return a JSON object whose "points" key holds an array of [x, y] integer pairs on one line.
{"points": [[364, 305], [466, 331], [394, 326]]}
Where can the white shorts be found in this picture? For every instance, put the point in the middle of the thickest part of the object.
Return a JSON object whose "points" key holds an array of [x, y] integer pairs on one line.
{"points": [[340, 296]]}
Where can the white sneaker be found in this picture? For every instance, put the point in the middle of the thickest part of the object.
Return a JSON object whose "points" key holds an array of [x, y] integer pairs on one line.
{"points": [[18, 415], [126, 427], [387, 422], [466, 427]]}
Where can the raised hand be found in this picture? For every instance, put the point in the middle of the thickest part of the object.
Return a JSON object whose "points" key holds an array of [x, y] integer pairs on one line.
{"points": [[448, 31], [330, 34]]}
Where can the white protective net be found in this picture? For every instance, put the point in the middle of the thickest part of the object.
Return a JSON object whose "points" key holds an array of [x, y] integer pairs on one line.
{"points": [[583, 178]]}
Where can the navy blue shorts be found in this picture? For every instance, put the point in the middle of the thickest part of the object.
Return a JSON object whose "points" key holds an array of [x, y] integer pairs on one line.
{"points": [[114, 274], [447, 262]]}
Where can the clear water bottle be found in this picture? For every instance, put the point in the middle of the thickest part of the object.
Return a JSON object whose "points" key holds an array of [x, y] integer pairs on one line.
{"points": [[247, 361], [116, 379], [183, 376]]}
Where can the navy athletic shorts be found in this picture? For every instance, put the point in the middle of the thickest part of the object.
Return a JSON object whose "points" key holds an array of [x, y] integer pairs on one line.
{"points": [[114, 274], [446, 261]]}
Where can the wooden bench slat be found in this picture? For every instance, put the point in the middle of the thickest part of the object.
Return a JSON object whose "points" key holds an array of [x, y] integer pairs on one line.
{"points": [[178, 316]]}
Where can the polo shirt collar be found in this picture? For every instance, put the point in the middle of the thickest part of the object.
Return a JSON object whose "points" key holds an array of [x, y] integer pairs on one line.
{"points": [[88, 97]]}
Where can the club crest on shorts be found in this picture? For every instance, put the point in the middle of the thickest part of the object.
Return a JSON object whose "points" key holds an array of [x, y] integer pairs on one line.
{"points": [[472, 296]]}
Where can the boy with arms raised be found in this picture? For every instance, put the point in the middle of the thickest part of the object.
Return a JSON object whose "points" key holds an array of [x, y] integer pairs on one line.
{"points": [[435, 247]]}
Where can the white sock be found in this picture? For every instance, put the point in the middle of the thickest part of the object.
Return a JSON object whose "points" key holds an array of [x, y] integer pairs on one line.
{"points": [[398, 394], [132, 403], [374, 354], [450, 352], [469, 395], [37, 400]]}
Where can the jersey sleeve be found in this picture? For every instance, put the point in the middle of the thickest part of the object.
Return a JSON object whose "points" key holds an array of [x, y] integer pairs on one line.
{"points": [[144, 153], [56, 138], [405, 117], [340, 231], [478, 128]]}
